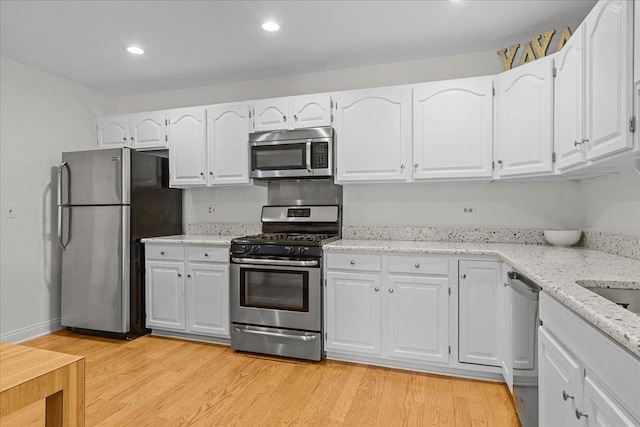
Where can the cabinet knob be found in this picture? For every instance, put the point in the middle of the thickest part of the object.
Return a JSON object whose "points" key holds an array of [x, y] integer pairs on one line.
{"points": [[162, 253], [401, 166], [133, 139], [576, 143], [353, 262], [206, 254], [417, 265], [124, 138], [376, 289], [580, 414], [584, 141], [415, 165], [390, 291], [211, 173], [201, 173], [189, 276], [295, 117], [284, 118], [566, 396], [464, 276], [179, 275], [499, 162]]}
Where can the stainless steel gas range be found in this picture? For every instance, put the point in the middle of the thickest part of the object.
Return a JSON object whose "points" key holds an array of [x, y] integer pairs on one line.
{"points": [[276, 281]]}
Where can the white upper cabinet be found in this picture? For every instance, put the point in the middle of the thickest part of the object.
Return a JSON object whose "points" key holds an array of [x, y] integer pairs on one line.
{"points": [[453, 129], [141, 131], [292, 112], [228, 144], [187, 146], [310, 111], [524, 117], [373, 134], [636, 42], [608, 74], [148, 130], [112, 131], [569, 102]]}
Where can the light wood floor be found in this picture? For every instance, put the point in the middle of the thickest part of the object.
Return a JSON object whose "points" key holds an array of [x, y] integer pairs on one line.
{"points": [[165, 382]]}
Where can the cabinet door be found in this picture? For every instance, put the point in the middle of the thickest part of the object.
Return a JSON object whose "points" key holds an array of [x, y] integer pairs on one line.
{"points": [[353, 312], [373, 132], [559, 382], [271, 114], [505, 316], [165, 295], [478, 312], [418, 326], [601, 409], [609, 61], [187, 146], [636, 44], [310, 111], [113, 131], [208, 299], [568, 102], [228, 142], [453, 129], [524, 117], [148, 130]]}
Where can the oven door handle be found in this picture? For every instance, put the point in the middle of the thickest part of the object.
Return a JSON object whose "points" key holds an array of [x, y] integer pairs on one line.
{"points": [[305, 338], [283, 262]]}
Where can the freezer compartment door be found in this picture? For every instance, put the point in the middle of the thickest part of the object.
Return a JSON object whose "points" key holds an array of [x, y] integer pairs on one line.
{"points": [[95, 268], [97, 177]]}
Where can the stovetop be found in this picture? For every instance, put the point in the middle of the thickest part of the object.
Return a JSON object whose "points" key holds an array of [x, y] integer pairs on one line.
{"points": [[286, 239]]}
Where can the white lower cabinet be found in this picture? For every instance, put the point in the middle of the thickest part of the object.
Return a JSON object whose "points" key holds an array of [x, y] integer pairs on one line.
{"points": [[478, 312], [353, 312], [585, 379], [187, 289], [390, 307]]}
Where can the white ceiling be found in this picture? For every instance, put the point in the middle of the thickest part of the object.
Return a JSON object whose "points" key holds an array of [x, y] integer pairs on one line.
{"points": [[196, 43]]}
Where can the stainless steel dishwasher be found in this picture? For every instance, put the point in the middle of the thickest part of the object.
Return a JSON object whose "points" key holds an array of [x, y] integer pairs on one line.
{"points": [[524, 341]]}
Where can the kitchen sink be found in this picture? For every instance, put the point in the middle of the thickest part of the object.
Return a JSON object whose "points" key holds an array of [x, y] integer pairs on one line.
{"points": [[626, 297]]}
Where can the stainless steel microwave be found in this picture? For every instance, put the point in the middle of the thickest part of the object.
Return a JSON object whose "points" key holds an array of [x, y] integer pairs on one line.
{"points": [[292, 154]]}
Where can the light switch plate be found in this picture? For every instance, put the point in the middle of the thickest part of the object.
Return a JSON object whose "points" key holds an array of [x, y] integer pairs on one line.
{"points": [[9, 210]]}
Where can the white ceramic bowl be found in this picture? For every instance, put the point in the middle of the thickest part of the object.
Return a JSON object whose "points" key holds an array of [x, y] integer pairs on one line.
{"points": [[562, 237]]}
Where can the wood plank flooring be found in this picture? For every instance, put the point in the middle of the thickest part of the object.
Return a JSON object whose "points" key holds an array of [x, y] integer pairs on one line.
{"points": [[166, 382]]}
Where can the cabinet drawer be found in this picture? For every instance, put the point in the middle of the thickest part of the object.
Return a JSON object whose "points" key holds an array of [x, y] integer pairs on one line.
{"points": [[354, 262], [419, 265], [164, 252], [207, 253]]}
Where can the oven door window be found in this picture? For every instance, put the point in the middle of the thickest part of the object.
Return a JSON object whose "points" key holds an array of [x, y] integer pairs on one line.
{"points": [[274, 289], [278, 157]]}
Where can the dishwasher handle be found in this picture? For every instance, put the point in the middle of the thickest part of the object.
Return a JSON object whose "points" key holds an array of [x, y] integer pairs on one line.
{"points": [[523, 285]]}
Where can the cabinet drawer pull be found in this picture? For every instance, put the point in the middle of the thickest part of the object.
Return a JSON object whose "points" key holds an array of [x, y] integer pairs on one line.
{"points": [[162, 253], [580, 414], [206, 254], [566, 396], [353, 262], [417, 265]]}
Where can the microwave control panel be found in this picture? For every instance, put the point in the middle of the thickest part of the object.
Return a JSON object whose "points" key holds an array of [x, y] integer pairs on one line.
{"points": [[320, 155]]}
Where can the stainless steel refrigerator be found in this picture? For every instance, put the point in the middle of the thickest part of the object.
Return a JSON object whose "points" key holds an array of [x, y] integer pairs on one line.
{"points": [[107, 201]]}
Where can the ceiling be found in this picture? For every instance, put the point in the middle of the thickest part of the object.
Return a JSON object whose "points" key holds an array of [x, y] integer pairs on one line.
{"points": [[196, 43]]}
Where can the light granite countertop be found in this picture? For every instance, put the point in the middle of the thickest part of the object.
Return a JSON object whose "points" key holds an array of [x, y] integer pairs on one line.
{"points": [[190, 239], [554, 269]]}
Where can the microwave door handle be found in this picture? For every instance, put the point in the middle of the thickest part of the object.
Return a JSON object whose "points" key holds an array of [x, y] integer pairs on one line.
{"points": [[308, 156]]}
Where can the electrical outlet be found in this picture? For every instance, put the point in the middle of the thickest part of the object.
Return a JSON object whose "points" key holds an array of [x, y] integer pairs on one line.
{"points": [[210, 210], [9, 210], [467, 210]]}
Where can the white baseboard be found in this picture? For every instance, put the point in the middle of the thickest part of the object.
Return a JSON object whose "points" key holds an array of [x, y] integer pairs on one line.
{"points": [[31, 332]]}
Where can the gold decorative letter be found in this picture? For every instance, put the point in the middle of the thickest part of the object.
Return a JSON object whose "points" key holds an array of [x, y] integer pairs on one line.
{"points": [[507, 60], [541, 49], [564, 36], [527, 54]]}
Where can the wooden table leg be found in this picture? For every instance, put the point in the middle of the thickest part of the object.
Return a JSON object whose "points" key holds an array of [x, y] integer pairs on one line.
{"points": [[54, 410]]}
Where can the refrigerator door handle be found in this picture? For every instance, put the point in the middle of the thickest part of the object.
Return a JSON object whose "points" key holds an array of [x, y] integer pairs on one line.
{"points": [[60, 207]]}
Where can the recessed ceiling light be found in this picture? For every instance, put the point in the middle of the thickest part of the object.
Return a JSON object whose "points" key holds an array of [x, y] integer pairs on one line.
{"points": [[270, 26], [135, 50]]}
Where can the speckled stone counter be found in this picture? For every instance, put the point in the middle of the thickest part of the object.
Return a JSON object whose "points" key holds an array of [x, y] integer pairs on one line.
{"points": [[554, 269], [191, 239]]}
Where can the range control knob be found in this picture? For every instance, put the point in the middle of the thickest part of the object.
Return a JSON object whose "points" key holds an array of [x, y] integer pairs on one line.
{"points": [[301, 250], [254, 249], [290, 249]]}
